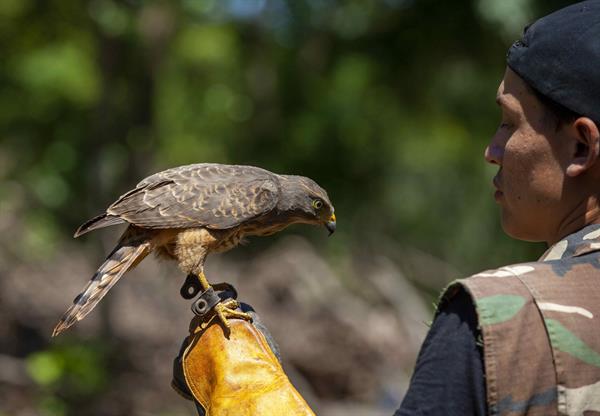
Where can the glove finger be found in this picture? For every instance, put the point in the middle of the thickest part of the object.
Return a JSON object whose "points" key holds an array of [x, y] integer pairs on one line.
{"points": [[256, 321]]}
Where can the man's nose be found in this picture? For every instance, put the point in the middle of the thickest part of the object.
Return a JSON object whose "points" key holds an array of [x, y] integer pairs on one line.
{"points": [[494, 153]]}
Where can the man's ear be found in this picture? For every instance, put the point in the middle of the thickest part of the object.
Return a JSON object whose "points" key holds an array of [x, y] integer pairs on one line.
{"points": [[587, 149]]}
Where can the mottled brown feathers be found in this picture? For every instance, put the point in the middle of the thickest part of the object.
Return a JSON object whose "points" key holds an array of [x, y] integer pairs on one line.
{"points": [[208, 195]]}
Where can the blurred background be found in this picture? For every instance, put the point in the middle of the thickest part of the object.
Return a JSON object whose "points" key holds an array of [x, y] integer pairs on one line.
{"points": [[387, 104]]}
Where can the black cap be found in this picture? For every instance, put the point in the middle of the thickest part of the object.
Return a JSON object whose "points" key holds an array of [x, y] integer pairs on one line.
{"points": [[559, 56]]}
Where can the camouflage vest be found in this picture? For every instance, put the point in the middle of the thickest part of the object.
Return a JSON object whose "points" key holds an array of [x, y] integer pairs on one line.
{"points": [[540, 324]]}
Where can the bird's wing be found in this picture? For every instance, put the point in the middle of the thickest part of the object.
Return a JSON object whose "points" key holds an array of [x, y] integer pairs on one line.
{"points": [[209, 195]]}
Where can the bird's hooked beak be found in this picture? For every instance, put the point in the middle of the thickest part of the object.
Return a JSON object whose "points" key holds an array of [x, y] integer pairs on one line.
{"points": [[330, 225]]}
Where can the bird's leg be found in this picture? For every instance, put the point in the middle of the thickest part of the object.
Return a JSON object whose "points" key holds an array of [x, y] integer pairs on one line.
{"points": [[226, 309], [203, 281]]}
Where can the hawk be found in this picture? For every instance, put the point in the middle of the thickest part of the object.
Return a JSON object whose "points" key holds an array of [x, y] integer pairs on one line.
{"points": [[186, 213]]}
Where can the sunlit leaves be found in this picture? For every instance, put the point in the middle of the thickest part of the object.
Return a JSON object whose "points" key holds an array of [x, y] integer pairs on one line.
{"points": [[13, 8], [112, 17], [211, 45], [73, 371], [45, 368], [59, 70], [510, 15], [392, 100]]}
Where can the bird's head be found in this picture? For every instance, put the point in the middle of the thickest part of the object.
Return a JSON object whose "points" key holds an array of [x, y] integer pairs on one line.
{"points": [[306, 202]]}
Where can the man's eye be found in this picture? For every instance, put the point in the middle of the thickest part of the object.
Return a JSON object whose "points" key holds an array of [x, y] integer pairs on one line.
{"points": [[504, 125]]}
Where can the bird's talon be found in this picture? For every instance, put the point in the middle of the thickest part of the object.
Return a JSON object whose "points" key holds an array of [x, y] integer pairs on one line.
{"points": [[227, 310]]}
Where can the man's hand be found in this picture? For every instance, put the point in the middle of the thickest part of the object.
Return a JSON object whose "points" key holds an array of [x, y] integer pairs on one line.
{"points": [[234, 373]]}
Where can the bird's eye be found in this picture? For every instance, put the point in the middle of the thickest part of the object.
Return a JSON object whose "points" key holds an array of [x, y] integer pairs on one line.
{"points": [[317, 203]]}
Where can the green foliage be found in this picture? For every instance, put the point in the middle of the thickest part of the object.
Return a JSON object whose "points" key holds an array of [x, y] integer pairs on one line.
{"points": [[68, 74], [68, 375], [387, 104], [80, 368]]}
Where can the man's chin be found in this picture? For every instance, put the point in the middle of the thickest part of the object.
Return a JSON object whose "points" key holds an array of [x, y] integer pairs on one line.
{"points": [[518, 231]]}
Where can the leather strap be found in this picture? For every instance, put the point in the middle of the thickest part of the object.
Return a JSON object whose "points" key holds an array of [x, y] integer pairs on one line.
{"points": [[208, 299]]}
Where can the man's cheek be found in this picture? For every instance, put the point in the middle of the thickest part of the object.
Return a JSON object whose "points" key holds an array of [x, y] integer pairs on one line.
{"points": [[516, 177]]}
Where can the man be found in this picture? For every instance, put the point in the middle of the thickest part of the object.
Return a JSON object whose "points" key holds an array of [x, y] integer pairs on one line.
{"points": [[520, 340]]}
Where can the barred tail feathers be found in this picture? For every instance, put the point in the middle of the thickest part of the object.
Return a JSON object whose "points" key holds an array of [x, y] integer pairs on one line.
{"points": [[123, 258]]}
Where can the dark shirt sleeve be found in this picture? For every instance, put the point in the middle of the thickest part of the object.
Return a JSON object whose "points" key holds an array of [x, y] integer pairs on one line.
{"points": [[449, 375]]}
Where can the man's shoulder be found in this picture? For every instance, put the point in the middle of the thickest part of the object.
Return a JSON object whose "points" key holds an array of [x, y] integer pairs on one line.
{"points": [[502, 280], [504, 274], [511, 270], [523, 279], [560, 267]]}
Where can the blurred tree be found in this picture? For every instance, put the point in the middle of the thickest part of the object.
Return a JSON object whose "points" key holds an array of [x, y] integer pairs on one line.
{"points": [[383, 102]]}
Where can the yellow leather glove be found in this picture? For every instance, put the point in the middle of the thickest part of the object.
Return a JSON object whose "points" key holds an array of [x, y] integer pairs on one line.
{"points": [[234, 374]]}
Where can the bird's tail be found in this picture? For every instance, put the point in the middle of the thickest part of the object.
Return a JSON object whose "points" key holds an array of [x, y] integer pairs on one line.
{"points": [[131, 249]]}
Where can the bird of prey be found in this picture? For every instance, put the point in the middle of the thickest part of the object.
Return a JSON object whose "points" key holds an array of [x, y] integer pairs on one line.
{"points": [[188, 212]]}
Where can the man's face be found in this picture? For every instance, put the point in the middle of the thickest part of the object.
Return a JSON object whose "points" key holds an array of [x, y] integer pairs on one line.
{"points": [[532, 156]]}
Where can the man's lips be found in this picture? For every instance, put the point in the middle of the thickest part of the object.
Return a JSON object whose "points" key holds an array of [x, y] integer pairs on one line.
{"points": [[496, 183], [498, 194]]}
